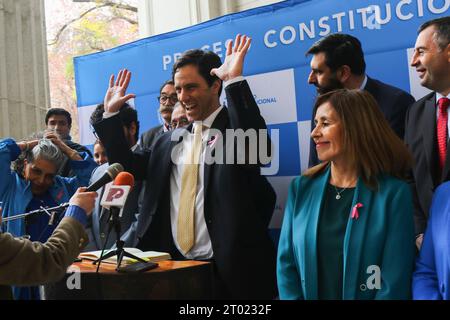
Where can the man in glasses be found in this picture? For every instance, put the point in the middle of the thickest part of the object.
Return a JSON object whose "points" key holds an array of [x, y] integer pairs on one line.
{"points": [[167, 99], [179, 118]]}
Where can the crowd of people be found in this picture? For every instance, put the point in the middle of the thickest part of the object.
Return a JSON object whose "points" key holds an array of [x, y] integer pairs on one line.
{"points": [[369, 218]]}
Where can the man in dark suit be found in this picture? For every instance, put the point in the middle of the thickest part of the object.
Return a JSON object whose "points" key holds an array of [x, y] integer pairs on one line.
{"points": [[427, 119], [167, 99], [232, 205], [99, 222], [338, 62]]}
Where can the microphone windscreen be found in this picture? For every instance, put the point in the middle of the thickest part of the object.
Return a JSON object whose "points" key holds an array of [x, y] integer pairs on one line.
{"points": [[124, 179], [114, 169]]}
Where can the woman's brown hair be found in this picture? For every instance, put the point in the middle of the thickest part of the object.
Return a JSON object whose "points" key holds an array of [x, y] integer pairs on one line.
{"points": [[368, 139]]}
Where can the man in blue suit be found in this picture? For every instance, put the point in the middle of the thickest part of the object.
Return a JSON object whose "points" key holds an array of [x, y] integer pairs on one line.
{"points": [[431, 279], [338, 62], [99, 220]]}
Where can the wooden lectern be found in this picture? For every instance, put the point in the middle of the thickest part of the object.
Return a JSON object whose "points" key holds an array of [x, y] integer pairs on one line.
{"points": [[170, 280]]}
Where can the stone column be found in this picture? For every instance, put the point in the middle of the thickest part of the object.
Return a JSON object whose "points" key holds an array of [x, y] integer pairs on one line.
{"points": [[24, 89]]}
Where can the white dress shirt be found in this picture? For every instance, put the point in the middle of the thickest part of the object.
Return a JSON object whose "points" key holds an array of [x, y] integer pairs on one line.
{"points": [[202, 248]]}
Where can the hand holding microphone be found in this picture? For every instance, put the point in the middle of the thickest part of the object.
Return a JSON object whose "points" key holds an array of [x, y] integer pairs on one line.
{"points": [[83, 199]]}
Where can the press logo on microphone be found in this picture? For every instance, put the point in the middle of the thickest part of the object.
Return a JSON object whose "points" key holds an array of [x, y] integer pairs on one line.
{"points": [[115, 196], [114, 193]]}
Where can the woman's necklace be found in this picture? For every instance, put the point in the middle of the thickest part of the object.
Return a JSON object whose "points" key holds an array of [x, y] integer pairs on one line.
{"points": [[338, 192]]}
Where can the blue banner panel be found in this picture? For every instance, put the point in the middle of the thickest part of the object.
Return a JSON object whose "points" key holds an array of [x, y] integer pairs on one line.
{"points": [[276, 66]]}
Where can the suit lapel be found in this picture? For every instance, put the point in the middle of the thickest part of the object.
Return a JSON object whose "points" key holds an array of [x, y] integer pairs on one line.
{"points": [[429, 136], [354, 239], [309, 252], [220, 124], [160, 173]]}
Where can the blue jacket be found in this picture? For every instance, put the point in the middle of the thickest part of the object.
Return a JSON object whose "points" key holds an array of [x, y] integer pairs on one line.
{"points": [[431, 279], [15, 192], [382, 237]]}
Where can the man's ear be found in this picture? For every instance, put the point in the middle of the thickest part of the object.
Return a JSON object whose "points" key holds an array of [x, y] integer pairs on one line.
{"points": [[343, 73], [448, 52], [133, 128], [25, 163], [216, 85]]}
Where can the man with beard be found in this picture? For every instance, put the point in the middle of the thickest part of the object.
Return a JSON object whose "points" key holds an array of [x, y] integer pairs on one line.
{"points": [[167, 99], [338, 62]]}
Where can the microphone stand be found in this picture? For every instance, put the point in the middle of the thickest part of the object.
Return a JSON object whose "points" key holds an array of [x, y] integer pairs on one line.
{"points": [[120, 252], [49, 211]]}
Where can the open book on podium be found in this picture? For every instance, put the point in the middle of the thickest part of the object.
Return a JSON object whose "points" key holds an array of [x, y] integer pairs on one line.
{"points": [[153, 256]]}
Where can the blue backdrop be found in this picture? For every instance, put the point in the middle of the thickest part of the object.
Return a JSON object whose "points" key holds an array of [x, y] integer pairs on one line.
{"points": [[276, 66]]}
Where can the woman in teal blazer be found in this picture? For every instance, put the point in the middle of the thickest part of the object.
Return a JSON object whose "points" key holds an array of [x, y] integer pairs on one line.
{"points": [[348, 225]]}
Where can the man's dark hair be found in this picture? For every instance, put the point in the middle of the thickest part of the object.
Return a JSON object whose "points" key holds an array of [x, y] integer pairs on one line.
{"points": [[442, 27], [170, 81], [127, 114], [204, 61], [58, 112], [341, 49]]}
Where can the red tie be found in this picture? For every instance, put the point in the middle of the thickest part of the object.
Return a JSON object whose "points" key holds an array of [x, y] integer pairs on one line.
{"points": [[443, 104]]}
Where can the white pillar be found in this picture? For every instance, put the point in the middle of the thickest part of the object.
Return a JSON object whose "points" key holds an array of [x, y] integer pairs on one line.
{"points": [[157, 16], [24, 91]]}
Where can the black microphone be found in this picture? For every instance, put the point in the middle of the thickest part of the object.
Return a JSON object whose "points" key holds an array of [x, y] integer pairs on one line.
{"points": [[109, 175]]}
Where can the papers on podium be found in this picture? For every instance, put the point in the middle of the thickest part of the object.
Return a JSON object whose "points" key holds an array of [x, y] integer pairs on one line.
{"points": [[153, 256]]}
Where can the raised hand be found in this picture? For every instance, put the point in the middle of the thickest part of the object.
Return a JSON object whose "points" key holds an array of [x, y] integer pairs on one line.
{"points": [[115, 96], [27, 145], [234, 61], [55, 138]]}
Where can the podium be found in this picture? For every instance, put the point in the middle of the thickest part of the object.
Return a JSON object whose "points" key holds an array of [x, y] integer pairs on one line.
{"points": [[180, 280]]}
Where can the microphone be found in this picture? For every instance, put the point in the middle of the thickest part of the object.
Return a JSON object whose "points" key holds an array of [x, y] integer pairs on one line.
{"points": [[115, 195], [109, 175], [124, 179]]}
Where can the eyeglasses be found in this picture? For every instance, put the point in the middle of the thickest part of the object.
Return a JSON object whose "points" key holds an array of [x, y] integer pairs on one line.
{"points": [[180, 123], [172, 98]]}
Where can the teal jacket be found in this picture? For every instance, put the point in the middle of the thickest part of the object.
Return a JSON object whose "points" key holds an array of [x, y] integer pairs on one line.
{"points": [[378, 245]]}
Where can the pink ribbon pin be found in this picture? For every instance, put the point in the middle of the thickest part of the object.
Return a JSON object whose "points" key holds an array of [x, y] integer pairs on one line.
{"points": [[355, 213], [212, 141]]}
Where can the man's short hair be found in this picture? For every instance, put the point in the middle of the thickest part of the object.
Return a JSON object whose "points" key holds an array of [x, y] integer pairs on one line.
{"points": [[204, 60], [58, 112], [341, 49], [127, 114], [442, 26], [170, 81]]}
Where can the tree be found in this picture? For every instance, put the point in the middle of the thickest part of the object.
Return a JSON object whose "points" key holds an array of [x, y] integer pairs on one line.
{"points": [[77, 28], [117, 6]]}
